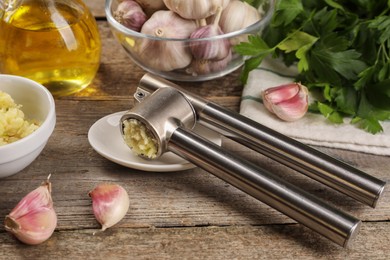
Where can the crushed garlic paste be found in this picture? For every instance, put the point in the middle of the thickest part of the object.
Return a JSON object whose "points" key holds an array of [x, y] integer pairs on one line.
{"points": [[139, 139], [13, 126]]}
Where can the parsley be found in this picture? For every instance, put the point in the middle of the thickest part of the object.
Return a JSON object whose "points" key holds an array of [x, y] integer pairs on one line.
{"points": [[342, 50]]}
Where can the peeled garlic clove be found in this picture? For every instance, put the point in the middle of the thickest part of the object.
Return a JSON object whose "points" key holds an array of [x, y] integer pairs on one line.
{"points": [[289, 102], [151, 6], [130, 14], [216, 49], [33, 220], [236, 16], [163, 54], [195, 9], [110, 203]]}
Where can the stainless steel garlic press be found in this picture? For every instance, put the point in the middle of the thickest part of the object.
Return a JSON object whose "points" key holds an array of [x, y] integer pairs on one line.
{"points": [[170, 113]]}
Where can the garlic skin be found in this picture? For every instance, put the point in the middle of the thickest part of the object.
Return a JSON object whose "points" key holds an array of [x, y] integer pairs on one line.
{"points": [[165, 55], [211, 49], [200, 67], [33, 220], [110, 203], [151, 6], [289, 102], [236, 16], [195, 9], [130, 14]]}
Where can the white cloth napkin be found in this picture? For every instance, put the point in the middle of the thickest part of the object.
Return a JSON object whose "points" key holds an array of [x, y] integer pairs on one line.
{"points": [[312, 129]]}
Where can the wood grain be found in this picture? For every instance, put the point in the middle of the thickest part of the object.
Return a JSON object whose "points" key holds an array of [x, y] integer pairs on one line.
{"points": [[237, 242]]}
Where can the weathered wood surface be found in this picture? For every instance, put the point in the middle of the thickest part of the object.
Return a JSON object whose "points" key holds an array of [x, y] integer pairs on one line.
{"points": [[174, 215]]}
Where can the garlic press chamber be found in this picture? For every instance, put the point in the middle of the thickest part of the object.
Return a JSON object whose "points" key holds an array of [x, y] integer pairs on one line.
{"points": [[165, 116]]}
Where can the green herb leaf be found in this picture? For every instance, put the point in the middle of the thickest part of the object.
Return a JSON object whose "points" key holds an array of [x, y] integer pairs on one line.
{"points": [[367, 110], [296, 40], [286, 12], [334, 4], [370, 125], [346, 100], [255, 46], [300, 42], [250, 65], [346, 63], [331, 114], [382, 23], [379, 95]]}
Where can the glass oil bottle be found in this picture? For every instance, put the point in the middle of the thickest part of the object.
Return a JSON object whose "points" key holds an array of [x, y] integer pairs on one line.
{"points": [[54, 42]]}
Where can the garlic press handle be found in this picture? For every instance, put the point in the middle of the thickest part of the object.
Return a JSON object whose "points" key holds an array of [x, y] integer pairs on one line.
{"points": [[301, 206]]}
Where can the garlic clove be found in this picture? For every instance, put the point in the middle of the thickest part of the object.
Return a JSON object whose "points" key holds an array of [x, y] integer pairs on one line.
{"points": [[110, 203], [151, 6], [210, 49], [199, 67], [236, 16], [130, 14], [163, 54], [279, 94], [195, 9], [289, 102], [167, 24], [33, 220]]}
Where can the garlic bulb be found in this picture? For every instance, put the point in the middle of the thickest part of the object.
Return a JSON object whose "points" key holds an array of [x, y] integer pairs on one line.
{"points": [[195, 9], [151, 6], [165, 55], [236, 16], [33, 220], [110, 203], [210, 49], [130, 14], [289, 102]]}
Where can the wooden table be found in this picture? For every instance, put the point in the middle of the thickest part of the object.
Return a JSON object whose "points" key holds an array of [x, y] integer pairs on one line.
{"points": [[174, 215]]}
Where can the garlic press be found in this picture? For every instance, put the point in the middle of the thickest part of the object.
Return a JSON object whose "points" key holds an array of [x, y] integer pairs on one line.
{"points": [[169, 114]]}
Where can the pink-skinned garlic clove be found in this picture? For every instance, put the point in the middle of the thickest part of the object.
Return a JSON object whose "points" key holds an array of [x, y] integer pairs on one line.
{"points": [[33, 220], [289, 102], [130, 14], [110, 203], [216, 49]]}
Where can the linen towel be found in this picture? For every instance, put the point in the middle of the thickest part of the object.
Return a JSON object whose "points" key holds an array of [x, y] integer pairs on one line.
{"points": [[312, 129]]}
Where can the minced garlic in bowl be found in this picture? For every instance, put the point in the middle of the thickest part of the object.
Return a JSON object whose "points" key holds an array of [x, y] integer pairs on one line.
{"points": [[13, 125], [139, 138]]}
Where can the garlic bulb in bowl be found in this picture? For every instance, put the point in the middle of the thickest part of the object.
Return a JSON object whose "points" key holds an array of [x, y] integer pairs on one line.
{"points": [[172, 54], [151, 6], [195, 9], [237, 16], [186, 40]]}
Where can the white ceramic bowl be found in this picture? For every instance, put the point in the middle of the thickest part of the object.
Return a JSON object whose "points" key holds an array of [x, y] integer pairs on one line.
{"points": [[132, 40], [37, 103]]}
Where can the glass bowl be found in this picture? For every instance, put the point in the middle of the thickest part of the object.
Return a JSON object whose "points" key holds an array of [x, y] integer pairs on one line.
{"points": [[156, 61]]}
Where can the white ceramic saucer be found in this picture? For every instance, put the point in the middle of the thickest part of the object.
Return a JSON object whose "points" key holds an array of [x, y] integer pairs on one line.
{"points": [[106, 139]]}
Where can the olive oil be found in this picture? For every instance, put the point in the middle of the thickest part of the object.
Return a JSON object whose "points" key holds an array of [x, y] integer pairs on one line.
{"points": [[53, 42]]}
